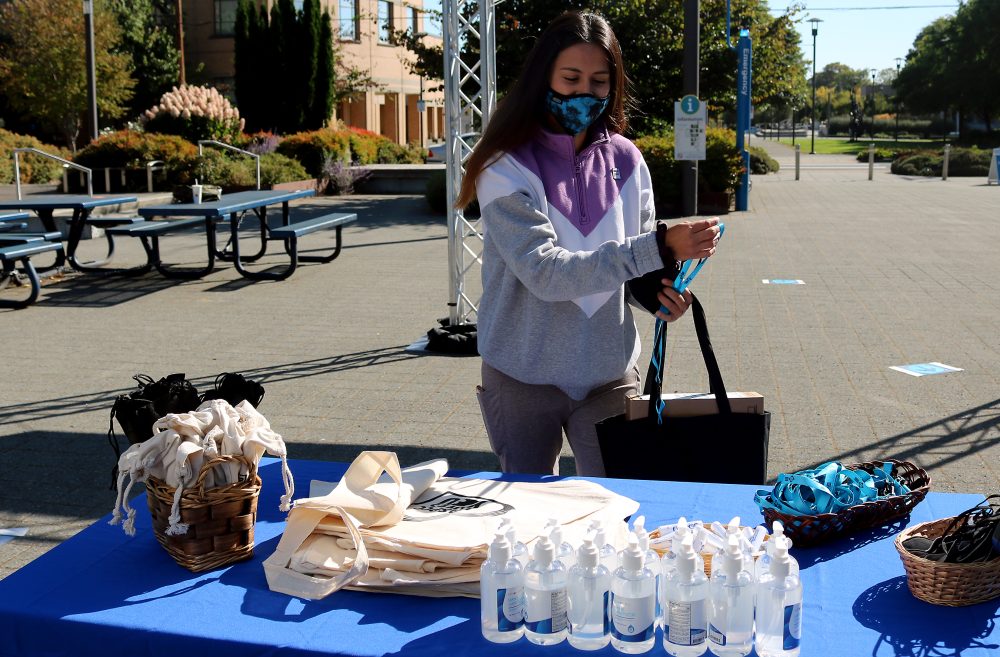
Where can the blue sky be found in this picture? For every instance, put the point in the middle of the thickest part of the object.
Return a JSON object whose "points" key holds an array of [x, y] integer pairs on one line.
{"points": [[863, 34]]}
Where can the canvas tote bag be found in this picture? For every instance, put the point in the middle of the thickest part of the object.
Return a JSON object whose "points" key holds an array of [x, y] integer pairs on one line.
{"points": [[417, 531]]}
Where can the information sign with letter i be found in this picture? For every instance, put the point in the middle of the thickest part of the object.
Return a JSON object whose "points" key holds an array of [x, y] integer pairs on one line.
{"points": [[689, 129]]}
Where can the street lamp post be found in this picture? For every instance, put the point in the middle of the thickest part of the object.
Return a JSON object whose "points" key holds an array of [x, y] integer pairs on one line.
{"points": [[871, 129], [899, 61], [815, 30], [88, 25]]}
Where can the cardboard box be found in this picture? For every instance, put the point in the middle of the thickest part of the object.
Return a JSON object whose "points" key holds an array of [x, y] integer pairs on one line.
{"points": [[688, 404]]}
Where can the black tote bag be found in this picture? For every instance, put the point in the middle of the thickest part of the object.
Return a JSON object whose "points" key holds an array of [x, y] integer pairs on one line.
{"points": [[723, 448]]}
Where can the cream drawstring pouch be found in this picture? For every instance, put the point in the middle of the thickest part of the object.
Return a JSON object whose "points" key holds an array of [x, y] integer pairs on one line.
{"points": [[183, 442], [416, 531]]}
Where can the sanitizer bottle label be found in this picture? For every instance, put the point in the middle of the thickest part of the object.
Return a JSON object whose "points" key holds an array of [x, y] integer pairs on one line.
{"points": [[686, 623], [792, 632], [716, 636], [510, 609], [632, 618], [545, 611]]}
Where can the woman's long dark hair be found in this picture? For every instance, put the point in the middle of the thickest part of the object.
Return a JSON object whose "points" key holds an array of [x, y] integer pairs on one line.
{"points": [[520, 114]]}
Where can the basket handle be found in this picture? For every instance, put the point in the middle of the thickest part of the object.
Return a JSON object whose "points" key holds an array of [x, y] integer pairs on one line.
{"points": [[220, 460]]}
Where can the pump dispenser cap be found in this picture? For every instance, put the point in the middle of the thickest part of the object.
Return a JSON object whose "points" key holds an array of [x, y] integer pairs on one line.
{"points": [[680, 532], [600, 537], [640, 532], [732, 562], [555, 531], [587, 556], [633, 558], [686, 558], [544, 553], [500, 548], [781, 563], [507, 528]]}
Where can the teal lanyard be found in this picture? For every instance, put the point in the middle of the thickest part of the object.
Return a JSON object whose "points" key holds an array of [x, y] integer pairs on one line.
{"points": [[829, 488], [658, 359]]}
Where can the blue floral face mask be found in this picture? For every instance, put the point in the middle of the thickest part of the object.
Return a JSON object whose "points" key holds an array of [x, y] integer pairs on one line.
{"points": [[575, 113]]}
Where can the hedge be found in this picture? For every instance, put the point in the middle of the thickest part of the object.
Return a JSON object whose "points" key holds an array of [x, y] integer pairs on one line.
{"points": [[34, 169], [718, 172], [761, 161], [962, 162], [925, 128]]}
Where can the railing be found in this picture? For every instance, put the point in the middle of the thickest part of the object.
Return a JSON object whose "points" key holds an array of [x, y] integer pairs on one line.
{"points": [[66, 165], [232, 148]]}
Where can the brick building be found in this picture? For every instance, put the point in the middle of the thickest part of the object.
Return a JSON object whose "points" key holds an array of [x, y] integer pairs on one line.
{"points": [[361, 28]]}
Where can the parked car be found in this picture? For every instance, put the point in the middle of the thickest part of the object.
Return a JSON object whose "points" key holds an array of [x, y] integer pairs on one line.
{"points": [[438, 152]]}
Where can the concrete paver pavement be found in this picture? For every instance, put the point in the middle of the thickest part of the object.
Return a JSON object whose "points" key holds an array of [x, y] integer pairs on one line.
{"points": [[897, 271]]}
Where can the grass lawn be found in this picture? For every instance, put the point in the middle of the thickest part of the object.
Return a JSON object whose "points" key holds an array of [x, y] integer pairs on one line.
{"points": [[834, 146]]}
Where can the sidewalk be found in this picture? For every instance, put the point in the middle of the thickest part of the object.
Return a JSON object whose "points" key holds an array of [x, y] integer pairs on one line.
{"points": [[897, 271]]}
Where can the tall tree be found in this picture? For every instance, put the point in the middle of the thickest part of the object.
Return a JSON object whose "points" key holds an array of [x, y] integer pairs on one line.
{"points": [[148, 38], [651, 33], [245, 61], [322, 103], [309, 43], [43, 65]]}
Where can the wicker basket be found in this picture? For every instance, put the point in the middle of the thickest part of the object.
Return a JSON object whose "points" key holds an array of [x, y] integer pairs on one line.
{"points": [[950, 584], [812, 530], [220, 520], [706, 555]]}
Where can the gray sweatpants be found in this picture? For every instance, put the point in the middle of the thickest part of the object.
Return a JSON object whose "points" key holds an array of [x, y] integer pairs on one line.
{"points": [[525, 422]]}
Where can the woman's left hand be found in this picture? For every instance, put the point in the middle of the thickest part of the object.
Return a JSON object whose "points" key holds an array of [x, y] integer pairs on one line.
{"points": [[675, 302]]}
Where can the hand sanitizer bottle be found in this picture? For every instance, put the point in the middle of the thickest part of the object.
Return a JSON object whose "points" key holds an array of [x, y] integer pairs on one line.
{"points": [[730, 613], [519, 550], [779, 608], [588, 591], [777, 538], [609, 556], [633, 602], [564, 551], [652, 560], [545, 596], [684, 615], [501, 594]]}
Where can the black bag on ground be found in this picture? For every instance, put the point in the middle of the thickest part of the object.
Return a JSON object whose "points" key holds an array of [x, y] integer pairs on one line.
{"points": [[234, 388], [137, 411], [723, 448], [460, 339]]}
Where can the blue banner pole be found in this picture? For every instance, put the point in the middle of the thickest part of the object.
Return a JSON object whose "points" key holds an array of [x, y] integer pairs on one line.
{"points": [[744, 69]]}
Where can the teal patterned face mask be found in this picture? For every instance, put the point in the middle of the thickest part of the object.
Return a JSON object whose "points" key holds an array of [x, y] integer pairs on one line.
{"points": [[576, 112]]}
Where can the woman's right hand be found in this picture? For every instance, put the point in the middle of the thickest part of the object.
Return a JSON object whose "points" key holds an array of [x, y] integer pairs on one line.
{"points": [[693, 240]]}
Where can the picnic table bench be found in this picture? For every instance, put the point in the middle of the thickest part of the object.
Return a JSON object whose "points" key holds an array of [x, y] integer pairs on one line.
{"points": [[233, 208]]}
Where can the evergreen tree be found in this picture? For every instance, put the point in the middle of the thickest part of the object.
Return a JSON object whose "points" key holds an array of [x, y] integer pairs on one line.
{"points": [[243, 62], [310, 30], [322, 105]]}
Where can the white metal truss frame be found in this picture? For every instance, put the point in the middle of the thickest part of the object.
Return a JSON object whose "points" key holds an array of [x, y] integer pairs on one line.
{"points": [[462, 108]]}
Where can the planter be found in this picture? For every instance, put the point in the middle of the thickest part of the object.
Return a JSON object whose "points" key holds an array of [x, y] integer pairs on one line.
{"points": [[293, 185], [715, 202]]}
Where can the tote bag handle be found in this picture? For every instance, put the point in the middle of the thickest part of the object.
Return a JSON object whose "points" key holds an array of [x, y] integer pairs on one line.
{"points": [[654, 375]]}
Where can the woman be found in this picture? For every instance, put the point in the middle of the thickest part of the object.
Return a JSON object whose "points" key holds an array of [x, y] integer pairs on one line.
{"points": [[568, 218]]}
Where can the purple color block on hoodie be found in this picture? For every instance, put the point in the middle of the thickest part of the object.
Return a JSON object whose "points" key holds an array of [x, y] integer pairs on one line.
{"points": [[581, 186]]}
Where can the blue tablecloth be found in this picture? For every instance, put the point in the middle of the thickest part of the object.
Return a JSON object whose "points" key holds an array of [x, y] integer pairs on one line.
{"points": [[102, 593]]}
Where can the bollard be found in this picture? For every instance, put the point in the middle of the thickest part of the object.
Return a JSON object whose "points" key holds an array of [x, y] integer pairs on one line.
{"points": [[871, 161], [944, 164], [798, 156]]}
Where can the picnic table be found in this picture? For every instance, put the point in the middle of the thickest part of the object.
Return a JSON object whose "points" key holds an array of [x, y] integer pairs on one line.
{"points": [[164, 218], [45, 205]]}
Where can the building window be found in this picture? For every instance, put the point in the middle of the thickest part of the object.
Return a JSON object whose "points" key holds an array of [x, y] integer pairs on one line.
{"points": [[348, 20], [384, 20], [414, 21], [225, 17]]}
